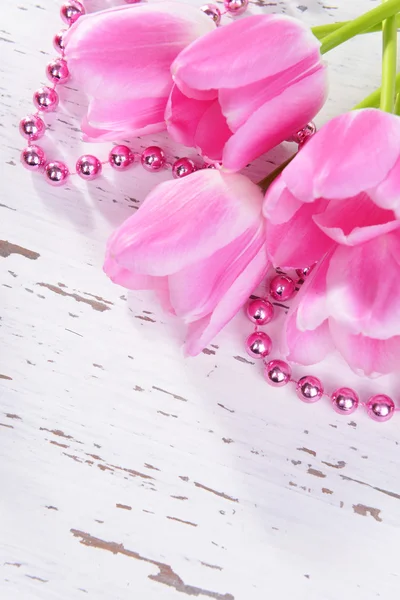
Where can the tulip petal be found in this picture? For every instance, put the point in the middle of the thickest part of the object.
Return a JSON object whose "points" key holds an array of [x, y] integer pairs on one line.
{"points": [[355, 220], [387, 193], [212, 133], [312, 309], [239, 55], [280, 205], [365, 355], [185, 221], [134, 281], [196, 290], [276, 120], [123, 55], [307, 347], [363, 286], [200, 333], [182, 116], [107, 120], [299, 242], [351, 153], [239, 104]]}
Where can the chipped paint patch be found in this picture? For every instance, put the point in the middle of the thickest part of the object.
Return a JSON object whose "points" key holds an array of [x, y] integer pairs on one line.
{"points": [[315, 472], [308, 451], [220, 494], [166, 575], [182, 521], [363, 510], [7, 248]]}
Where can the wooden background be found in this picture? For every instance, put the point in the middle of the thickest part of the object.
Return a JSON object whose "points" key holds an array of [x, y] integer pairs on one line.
{"points": [[126, 470]]}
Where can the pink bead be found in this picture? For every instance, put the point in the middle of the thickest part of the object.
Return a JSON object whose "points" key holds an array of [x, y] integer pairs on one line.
{"points": [[212, 11], [33, 158], [32, 128], [282, 287], [304, 273], [57, 71], [344, 401], [71, 11], [121, 157], [236, 7], [58, 40], [301, 136], [260, 311], [153, 158], [56, 173], [258, 344], [309, 389], [380, 408], [277, 373], [45, 99], [88, 167], [183, 167]]}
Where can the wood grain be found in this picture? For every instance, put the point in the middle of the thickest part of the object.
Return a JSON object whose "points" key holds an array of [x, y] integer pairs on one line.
{"points": [[127, 470]]}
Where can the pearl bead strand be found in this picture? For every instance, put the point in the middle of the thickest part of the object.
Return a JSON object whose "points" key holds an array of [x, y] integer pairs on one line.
{"points": [[278, 373], [121, 157]]}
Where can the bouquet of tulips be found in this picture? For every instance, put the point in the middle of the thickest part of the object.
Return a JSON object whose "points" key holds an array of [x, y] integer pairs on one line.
{"points": [[204, 242]]}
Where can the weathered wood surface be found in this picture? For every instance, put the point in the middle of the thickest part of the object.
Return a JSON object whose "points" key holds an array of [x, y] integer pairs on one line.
{"points": [[128, 471]]}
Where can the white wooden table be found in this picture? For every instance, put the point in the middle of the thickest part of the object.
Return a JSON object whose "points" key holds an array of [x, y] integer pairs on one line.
{"points": [[128, 471]]}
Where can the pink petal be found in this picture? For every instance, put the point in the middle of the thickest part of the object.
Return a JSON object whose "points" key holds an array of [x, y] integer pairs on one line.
{"points": [[135, 281], [194, 93], [125, 53], [387, 193], [125, 277], [202, 332], [276, 120], [307, 347], [239, 104], [356, 220], [196, 290], [299, 242], [366, 355], [352, 153], [363, 286], [182, 116], [245, 51], [279, 204], [311, 300], [212, 133], [107, 120], [185, 221]]}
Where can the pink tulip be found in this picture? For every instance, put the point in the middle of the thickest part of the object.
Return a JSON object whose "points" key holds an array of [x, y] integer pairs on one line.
{"points": [[246, 87], [199, 242], [121, 59], [338, 204]]}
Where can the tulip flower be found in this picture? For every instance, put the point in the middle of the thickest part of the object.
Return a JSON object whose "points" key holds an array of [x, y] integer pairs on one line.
{"points": [[199, 243], [244, 88], [121, 58], [337, 204]]}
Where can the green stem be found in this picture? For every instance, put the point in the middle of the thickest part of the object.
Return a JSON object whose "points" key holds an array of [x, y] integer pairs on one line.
{"points": [[389, 63], [321, 31], [373, 100], [397, 105], [266, 182], [362, 23]]}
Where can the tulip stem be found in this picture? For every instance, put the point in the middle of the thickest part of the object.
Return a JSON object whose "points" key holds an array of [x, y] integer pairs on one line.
{"points": [[321, 31], [373, 100], [389, 63], [362, 23], [397, 105], [266, 182]]}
